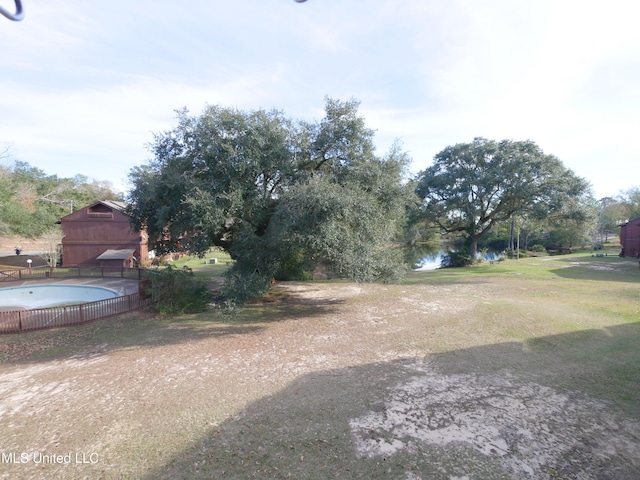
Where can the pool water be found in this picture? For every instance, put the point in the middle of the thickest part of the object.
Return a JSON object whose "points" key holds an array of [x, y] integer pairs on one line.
{"points": [[42, 296], [433, 261]]}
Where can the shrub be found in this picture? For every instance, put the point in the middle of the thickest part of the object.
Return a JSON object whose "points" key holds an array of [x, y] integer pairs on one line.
{"points": [[178, 291], [453, 259], [242, 287], [294, 267], [537, 248]]}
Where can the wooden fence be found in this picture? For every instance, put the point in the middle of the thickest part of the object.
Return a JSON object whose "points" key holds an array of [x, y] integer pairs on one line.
{"points": [[50, 317]]}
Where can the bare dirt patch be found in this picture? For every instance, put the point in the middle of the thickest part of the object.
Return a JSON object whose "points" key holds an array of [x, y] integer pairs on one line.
{"points": [[331, 380], [532, 431], [27, 245]]}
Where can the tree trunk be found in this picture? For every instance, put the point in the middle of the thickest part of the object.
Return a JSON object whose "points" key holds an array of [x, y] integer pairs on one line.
{"points": [[511, 246], [473, 248]]}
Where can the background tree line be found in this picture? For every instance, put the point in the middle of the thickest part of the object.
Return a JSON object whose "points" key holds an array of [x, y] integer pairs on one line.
{"points": [[612, 211], [284, 196], [598, 224], [31, 202]]}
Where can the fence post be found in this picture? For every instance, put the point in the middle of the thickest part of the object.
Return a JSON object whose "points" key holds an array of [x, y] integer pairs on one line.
{"points": [[19, 320]]}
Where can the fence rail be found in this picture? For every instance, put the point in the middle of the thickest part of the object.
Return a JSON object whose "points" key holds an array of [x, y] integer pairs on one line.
{"points": [[50, 317], [71, 272]]}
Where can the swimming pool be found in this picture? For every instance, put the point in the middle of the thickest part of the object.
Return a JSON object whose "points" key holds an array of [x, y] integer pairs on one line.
{"points": [[50, 296]]}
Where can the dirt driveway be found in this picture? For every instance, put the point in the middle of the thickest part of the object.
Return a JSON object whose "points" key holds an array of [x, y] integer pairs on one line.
{"points": [[329, 381]]}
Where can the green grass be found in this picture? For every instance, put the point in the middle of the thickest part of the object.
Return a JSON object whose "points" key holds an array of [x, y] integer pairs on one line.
{"points": [[580, 266], [577, 290], [202, 267], [578, 313]]}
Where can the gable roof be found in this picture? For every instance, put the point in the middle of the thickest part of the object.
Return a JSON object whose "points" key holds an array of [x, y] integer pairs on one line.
{"points": [[112, 204], [628, 222], [121, 206]]}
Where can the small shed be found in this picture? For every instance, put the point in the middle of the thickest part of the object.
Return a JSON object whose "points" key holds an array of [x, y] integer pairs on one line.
{"points": [[115, 259], [630, 239]]}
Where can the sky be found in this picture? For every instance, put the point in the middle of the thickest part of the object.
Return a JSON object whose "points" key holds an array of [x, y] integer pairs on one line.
{"points": [[85, 85]]}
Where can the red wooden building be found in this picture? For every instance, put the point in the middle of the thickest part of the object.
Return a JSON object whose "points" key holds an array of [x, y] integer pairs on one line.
{"points": [[630, 239], [98, 230]]}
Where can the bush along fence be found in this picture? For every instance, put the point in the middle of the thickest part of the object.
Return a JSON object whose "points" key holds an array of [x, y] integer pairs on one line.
{"points": [[14, 321]]}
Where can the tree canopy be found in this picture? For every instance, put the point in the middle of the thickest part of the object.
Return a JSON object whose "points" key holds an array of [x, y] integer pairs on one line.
{"points": [[471, 187], [630, 200], [31, 202], [615, 211], [277, 194]]}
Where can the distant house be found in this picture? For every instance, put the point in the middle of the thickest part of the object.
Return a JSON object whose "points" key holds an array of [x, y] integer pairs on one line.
{"points": [[101, 235], [630, 238]]}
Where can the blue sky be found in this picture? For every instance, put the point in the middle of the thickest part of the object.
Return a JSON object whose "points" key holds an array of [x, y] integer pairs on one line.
{"points": [[84, 85]]}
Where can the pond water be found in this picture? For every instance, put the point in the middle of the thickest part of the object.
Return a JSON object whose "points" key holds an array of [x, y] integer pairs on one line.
{"points": [[51, 295], [432, 261]]}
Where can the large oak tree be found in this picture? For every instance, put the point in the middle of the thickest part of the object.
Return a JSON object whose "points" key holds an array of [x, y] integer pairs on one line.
{"points": [[275, 193], [471, 187]]}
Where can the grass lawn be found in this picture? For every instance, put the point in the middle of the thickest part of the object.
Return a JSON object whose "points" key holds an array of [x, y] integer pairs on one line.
{"points": [[203, 267], [517, 369]]}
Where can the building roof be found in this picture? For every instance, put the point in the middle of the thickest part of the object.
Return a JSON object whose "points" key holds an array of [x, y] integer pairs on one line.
{"points": [[631, 221], [113, 204], [116, 254]]}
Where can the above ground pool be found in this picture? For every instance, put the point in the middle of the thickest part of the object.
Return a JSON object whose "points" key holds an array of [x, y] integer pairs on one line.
{"points": [[42, 296]]}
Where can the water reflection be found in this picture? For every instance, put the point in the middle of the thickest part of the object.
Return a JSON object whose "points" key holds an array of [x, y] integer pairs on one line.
{"points": [[432, 260]]}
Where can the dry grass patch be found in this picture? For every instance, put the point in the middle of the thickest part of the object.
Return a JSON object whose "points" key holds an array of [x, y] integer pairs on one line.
{"points": [[505, 373]]}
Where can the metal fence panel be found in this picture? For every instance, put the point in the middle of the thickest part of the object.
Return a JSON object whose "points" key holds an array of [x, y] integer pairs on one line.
{"points": [[39, 318], [35, 319], [71, 272]]}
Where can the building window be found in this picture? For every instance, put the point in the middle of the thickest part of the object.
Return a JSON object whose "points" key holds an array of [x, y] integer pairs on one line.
{"points": [[99, 211]]}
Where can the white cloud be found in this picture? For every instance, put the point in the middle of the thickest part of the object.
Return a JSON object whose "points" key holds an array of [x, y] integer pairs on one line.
{"points": [[86, 83]]}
